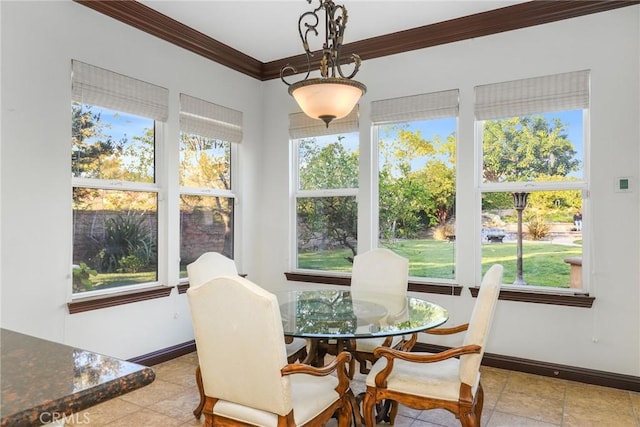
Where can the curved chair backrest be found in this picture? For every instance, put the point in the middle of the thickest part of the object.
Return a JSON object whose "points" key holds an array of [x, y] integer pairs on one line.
{"points": [[480, 323], [208, 266], [231, 309], [380, 271]]}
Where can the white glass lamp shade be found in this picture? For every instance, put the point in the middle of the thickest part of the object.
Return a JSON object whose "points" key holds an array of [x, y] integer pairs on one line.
{"points": [[327, 99]]}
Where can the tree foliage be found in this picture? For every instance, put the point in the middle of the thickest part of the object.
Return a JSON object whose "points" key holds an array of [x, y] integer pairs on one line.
{"points": [[205, 163], [326, 166], [327, 222], [120, 238], [525, 148], [416, 181]]}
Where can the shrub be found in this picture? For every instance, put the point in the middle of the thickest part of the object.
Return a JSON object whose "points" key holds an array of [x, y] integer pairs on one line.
{"points": [[126, 238], [442, 232], [131, 264], [82, 277], [538, 228]]}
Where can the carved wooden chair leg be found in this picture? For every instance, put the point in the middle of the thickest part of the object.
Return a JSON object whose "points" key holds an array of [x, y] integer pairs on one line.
{"points": [[348, 345], [312, 352], [479, 403], [198, 411], [368, 406], [393, 413]]}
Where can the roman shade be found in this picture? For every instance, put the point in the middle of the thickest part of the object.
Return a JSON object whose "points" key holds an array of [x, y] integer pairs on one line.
{"points": [[425, 106], [97, 86], [209, 120], [557, 92]]}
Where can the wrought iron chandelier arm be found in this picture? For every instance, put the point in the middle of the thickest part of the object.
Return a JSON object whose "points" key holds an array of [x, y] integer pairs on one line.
{"points": [[334, 94], [356, 67], [307, 23], [309, 27], [291, 70]]}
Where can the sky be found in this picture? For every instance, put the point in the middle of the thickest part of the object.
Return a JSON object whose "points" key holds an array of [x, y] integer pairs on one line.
{"points": [[122, 124], [443, 127]]}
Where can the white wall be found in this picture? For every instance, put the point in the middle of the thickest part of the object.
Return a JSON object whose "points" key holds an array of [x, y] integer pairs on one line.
{"points": [[605, 337], [40, 39]]}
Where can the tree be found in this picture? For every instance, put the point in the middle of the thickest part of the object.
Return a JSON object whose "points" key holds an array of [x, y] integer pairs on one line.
{"points": [[439, 182], [523, 148], [205, 163], [119, 237], [332, 220], [94, 153], [410, 191], [327, 166]]}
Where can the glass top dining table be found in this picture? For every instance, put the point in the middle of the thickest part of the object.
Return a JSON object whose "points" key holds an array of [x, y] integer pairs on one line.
{"points": [[347, 314]]}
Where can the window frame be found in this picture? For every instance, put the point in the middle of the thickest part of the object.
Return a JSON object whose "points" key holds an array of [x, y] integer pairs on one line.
{"points": [[148, 187], [206, 119], [296, 193], [581, 185], [214, 192], [435, 105], [375, 189]]}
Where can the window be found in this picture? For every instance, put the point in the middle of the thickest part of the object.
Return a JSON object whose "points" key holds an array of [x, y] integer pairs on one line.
{"points": [[416, 180], [533, 138], [115, 191], [325, 188], [207, 136]]}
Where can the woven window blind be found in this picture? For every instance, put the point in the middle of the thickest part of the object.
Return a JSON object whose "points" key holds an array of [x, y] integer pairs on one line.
{"points": [[425, 106], [210, 120], [303, 126], [96, 86], [557, 92]]}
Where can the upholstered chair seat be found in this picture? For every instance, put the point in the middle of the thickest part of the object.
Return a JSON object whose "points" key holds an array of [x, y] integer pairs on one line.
{"points": [[439, 380], [309, 395], [449, 380]]}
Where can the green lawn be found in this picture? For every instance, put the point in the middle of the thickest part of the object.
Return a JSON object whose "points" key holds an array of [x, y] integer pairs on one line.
{"points": [[543, 262], [111, 280]]}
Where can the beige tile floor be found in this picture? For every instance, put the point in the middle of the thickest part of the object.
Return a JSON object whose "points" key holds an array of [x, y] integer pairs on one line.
{"points": [[511, 399]]}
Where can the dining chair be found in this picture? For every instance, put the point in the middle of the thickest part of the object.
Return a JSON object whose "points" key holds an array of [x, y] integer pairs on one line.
{"points": [[448, 380], [214, 264], [210, 265], [380, 271], [250, 382]]}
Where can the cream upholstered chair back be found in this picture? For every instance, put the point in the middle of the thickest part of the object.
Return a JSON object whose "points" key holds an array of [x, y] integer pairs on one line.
{"points": [[480, 323], [208, 266], [380, 271], [231, 309]]}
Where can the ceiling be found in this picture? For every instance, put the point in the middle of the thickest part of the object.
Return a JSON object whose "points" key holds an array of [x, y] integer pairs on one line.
{"points": [[259, 37], [268, 30]]}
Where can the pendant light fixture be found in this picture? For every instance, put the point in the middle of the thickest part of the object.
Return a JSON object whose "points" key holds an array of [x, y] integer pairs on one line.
{"points": [[332, 95]]}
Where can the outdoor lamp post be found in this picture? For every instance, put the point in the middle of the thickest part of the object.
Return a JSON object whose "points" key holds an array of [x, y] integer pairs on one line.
{"points": [[519, 202]]}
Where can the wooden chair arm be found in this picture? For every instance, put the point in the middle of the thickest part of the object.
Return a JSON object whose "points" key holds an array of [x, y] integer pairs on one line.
{"points": [[447, 331], [339, 365], [391, 354]]}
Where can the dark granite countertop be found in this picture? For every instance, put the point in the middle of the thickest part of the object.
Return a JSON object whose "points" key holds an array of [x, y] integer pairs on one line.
{"points": [[42, 381]]}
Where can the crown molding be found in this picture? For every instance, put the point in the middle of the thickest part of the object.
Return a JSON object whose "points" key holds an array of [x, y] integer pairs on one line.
{"points": [[508, 18], [155, 23]]}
